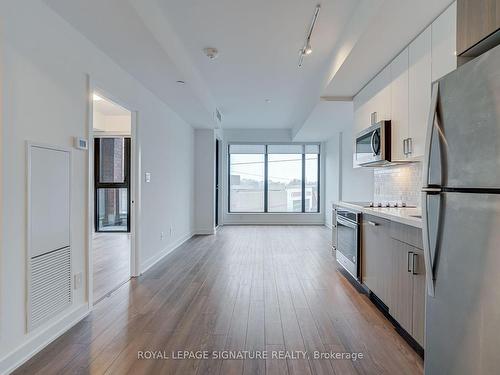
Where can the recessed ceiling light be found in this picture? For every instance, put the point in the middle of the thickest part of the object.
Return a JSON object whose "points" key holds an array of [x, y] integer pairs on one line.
{"points": [[211, 52], [181, 82], [96, 98]]}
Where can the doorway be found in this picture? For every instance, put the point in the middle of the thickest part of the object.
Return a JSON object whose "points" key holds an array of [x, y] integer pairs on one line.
{"points": [[111, 236]]}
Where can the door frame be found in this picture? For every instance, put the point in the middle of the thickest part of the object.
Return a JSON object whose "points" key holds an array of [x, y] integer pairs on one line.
{"points": [[219, 180], [135, 186]]}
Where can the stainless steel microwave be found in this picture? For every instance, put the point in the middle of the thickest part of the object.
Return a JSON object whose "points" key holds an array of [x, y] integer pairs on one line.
{"points": [[373, 145]]}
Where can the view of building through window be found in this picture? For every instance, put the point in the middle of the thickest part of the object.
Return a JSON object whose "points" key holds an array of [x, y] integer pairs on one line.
{"points": [[284, 186], [285, 182], [247, 183], [112, 198]]}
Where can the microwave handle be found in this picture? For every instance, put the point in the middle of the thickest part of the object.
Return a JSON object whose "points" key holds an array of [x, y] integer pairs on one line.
{"points": [[371, 143]]}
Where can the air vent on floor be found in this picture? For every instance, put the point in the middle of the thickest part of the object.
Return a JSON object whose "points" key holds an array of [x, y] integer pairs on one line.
{"points": [[49, 285]]}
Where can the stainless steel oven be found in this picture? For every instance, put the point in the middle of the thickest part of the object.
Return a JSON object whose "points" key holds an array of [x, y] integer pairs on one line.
{"points": [[373, 145], [348, 243]]}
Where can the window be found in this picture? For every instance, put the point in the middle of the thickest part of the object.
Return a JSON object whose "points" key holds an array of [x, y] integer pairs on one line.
{"points": [[112, 185], [312, 185], [274, 178], [285, 182], [246, 179]]}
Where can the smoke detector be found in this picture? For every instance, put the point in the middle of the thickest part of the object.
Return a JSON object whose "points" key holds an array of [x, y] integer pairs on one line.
{"points": [[211, 52]]}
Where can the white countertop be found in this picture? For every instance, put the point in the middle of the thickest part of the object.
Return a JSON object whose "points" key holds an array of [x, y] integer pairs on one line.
{"points": [[400, 215]]}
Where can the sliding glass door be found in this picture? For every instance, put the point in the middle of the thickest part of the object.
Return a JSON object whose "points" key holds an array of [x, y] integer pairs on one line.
{"points": [[112, 184]]}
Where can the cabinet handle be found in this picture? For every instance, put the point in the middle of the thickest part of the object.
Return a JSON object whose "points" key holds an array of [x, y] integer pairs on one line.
{"points": [[404, 146], [410, 145], [373, 224], [409, 256], [414, 261]]}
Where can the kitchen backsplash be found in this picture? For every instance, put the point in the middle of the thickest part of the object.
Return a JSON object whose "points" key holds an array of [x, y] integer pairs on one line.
{"points": [[399, 183]]}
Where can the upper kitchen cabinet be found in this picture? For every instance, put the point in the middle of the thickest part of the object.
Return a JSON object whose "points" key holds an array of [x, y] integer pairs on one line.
{"points": [[478, 26], [374, 97], [399, 105], [420, 67], [444, 41]]}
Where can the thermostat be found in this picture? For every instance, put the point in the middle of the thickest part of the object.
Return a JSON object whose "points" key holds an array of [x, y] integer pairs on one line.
{"points": [[81, 143]]}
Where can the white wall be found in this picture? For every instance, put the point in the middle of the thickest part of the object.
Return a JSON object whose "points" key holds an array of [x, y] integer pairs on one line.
{"points": [[332, 149], [112, 124], [204, 170], [44, 65], [357, 183], [263, 136]]}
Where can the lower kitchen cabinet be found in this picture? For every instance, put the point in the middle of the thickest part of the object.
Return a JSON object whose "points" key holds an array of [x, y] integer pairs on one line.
{"points": [[407, 304], [419, 293], [401, 289], [376, 254], [393, 269]]}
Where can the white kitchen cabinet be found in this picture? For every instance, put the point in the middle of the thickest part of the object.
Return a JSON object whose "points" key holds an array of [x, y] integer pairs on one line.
{"points": [[374, 97], [444, 42], [419, 91], [399, 105]]}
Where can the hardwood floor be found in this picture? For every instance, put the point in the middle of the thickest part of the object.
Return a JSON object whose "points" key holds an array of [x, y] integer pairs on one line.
{"points": [[247, 288], [111, 257]]}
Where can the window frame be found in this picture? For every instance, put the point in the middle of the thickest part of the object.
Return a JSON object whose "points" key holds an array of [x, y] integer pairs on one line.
{"points": [[266, 178]]}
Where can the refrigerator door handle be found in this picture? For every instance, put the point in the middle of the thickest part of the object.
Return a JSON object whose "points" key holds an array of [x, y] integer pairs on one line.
{"points": [[431, 125], [426, 191]]}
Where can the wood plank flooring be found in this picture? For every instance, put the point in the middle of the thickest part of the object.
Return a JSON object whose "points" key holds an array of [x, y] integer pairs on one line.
{"points": [[251, 288], [111, 257]]}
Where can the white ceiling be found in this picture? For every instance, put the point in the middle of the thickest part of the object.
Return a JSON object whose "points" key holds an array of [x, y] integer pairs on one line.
{"points": [[161, 41], [327, 118], [108, 108], [259, 42], [382, 32]]}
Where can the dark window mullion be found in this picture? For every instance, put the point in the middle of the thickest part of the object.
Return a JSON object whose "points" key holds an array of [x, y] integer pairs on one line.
{"points": [[319, 184], [303, 182], [266, 182], [229, 178]]}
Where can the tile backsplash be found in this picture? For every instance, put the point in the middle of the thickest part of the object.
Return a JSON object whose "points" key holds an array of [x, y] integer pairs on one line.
{"points": [[398, 183]]}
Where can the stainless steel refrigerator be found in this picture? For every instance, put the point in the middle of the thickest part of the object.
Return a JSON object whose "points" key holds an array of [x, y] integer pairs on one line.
{"points": [[461, 215]]}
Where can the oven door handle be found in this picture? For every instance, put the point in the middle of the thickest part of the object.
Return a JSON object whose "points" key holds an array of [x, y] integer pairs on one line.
{"points": [[347, 223]]}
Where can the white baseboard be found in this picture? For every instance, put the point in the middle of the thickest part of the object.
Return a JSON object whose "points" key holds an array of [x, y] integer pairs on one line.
{"points": [[205, 232], [156, 258], [41, 339], [256, 223]]}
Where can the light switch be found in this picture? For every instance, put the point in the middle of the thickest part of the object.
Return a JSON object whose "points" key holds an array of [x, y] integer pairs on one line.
{"points": [[148, 177]]}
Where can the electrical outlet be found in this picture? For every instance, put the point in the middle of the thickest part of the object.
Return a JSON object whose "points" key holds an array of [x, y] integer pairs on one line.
{"points": [[162, 236], [78, 280], [171, 231]]}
